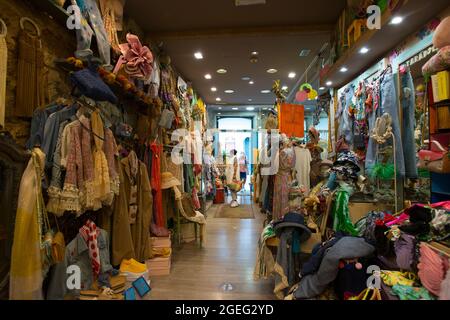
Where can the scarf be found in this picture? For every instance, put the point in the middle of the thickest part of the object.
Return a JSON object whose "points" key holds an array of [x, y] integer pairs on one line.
{"points": [[3, 69], [102, 184], [89, 232]]}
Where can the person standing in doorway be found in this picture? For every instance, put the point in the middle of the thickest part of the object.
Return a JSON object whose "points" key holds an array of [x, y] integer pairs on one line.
{"points": [[243, 168], [232, 170]]}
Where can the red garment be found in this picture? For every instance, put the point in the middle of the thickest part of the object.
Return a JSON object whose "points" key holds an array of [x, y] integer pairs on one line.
{"points": [[155, 181], [90, 233], [292, 120]]}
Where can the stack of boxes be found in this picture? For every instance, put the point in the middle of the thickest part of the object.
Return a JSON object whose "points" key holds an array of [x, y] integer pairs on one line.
{"points": [[160, 264]]}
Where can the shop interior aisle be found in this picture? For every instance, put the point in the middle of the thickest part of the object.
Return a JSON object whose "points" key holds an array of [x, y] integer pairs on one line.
{"points": [[228, 257]]}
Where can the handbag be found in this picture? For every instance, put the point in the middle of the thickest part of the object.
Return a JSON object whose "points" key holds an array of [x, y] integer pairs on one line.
{"points": [[435, 161]]}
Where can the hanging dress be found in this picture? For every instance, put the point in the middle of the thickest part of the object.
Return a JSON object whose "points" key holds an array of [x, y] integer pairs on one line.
{"points": [[282, 183]]}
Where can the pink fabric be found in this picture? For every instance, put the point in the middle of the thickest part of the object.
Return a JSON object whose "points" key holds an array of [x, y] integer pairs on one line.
{"points": [[138, 59]]}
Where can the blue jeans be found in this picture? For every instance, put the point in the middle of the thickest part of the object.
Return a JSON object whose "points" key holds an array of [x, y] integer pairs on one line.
{"points": [[408, 102], [389, 104], [372, 145], [346, 121], [91, 13]]}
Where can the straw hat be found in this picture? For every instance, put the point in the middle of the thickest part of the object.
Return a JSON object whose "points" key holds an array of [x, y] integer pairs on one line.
{"points": [[168, 180]]}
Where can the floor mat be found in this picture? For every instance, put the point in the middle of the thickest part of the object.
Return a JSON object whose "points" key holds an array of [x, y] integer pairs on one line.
{"points": [[241, 212]]}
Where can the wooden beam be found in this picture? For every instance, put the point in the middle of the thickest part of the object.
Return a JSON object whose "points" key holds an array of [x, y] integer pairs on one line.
{"points": [[232, 32]]}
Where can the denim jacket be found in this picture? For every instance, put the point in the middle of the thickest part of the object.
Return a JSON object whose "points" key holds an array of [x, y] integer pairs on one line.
{"points": [[77, 253]]}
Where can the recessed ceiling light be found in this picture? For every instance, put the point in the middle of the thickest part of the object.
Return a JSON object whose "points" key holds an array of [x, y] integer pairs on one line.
{"points": [[265, 91], [343, 69], [198, 55], [221, 71], [229, 91], [272, 71], [235, 108], [329, 83], [213, 89], [255, 53], [322, 88], [250, 108], [285, 88], [219, 113], [292, 75], [218, 99], [251, 82], [250, 100], [208, 76], [246, 78], [220, 108], [305, 53], [364, 50], [396, 20]]}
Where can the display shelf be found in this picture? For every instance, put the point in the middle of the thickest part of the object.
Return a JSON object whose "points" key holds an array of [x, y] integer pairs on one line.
{"points": [[416, 14]]}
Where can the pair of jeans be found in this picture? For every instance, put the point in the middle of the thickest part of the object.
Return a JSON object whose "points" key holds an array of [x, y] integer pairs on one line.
{"points": [[92, 23], [372, 145], [389, 104], [346, 121], [408, 102]]}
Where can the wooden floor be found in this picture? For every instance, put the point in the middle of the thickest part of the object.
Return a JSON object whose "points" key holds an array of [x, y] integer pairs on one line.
{"points": [[227, 257]]}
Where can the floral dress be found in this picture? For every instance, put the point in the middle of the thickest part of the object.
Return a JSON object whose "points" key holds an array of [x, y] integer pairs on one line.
{"points": [[282, 182]]}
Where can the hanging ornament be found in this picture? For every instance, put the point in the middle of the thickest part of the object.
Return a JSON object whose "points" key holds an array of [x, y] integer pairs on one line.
{"points": [[306, 92]]}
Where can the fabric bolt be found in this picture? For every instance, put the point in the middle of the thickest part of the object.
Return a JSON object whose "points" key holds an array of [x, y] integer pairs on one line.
{"points": [[303, 168], [26, 276], [408, 102], [92, 24], [346, 248], [155, 180], [90, 233], [77, 253], [282, 183]]}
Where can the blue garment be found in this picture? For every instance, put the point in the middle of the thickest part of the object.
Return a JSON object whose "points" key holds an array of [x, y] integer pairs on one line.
{"points": [[51, 131], [346, 121], [389, 104], [40, 116], [372, 145], [408, 101]]}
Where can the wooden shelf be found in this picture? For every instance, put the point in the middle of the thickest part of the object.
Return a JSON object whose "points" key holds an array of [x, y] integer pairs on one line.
{"points": [[416, 14]]}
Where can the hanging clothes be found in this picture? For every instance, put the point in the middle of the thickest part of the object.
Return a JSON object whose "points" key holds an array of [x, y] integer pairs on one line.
{"points": [[303, 167], [108, 9], [283, 180], [155, 180], [26, 275], [3, 71]]}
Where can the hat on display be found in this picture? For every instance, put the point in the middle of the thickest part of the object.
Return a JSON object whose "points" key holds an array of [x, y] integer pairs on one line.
{"points": [[326, 163], [348, 158], [293, 219], [168, 180], [315, 134]]}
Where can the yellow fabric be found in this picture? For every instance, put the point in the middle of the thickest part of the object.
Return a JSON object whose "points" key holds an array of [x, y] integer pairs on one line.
{"points": [[392, 278], [162, 252], [102, 184], [26, 263]]}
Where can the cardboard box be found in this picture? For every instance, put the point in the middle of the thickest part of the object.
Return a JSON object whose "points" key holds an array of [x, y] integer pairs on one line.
{"points": [[159, 266], [161, 242]]}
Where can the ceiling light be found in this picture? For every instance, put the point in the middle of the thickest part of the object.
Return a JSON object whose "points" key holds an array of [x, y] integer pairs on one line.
{"points": [[235, 108], [208, 76], [213, 89], [265, 91], [343, 69], [272, 71], [246, 78], [322, 88], [250, 100], [396, 20], [364, 50], [221, 71], [219, 113], [329, 83], [285, 88], [292, 75], [248, 2], [198, 55], [250, 108], [218, 99], [229, 91], [264, 108], [255, 53], [251, 82], [220, 108]]}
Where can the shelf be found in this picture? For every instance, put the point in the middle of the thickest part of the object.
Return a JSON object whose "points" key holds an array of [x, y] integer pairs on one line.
{"points": [[53, 10], [416, 14]]}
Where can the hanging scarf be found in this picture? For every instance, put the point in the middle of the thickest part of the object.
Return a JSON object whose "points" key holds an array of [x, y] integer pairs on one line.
{"points": [[109, 20], [155, 182], [89, 232], [3, 69], [102, 184]]}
